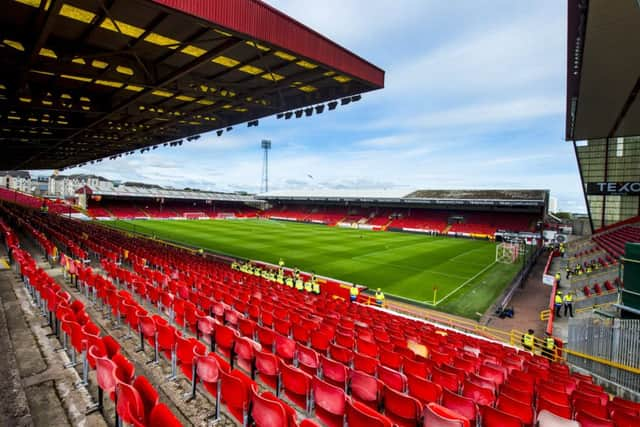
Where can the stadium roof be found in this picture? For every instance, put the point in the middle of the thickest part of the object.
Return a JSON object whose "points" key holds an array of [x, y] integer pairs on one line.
{"points": [[169, 193], [424, 197], [603, 69], [84, 80]]}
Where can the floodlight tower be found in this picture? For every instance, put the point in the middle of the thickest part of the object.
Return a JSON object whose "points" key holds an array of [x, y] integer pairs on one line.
{"points": [[266, 146]]}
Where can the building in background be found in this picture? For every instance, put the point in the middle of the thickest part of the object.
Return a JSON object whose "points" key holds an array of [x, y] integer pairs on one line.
{"points": [[610, 172], [16, 180], [553, 204], [64, 186]]}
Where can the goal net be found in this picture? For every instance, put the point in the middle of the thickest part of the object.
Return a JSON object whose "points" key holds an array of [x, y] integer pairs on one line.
{"points": [[194, 215], [507, 253]]}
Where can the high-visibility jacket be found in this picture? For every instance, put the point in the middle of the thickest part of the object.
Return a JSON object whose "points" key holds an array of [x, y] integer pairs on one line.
{"points": [[558, 277], [307, 286], [527, 340], [379, 297], [289, 282], [299, 285], [354, 291], [558, 299], [551, 343], [568, 298], [316, 288]]}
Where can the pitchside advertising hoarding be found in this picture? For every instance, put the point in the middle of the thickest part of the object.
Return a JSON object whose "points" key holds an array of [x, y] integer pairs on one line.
{"points": [[628, 188]]}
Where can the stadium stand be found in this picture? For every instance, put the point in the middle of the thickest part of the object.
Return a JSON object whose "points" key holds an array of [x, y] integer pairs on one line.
{"points": [[613, 241], [203, 303]]}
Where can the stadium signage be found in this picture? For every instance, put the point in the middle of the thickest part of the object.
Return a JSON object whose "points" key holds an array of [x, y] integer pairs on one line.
{"points": [[613, 188]]}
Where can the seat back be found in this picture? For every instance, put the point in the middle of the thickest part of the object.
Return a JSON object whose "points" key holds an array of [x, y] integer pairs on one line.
{"points": [[334, 372], [492, 417], [360, 415], [365, 389], [423, 390], [161, 416], [330, 402], [462, 405], [235, 392], [587, 420], [439, 416], [392, 378], [400, 407], [266, 412]]}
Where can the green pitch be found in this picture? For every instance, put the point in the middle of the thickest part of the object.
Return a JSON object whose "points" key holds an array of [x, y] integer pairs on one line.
{"points": [[402, 264]]}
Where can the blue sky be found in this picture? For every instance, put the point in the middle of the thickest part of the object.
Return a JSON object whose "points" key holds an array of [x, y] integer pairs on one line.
{"points": [[474, 98]]}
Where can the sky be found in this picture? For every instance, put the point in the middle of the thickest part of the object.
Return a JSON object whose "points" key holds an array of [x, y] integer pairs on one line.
{"points": [[474, 97]]}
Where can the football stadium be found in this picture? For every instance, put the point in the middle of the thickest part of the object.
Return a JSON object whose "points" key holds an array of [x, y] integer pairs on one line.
{"points": [[134, 303]]}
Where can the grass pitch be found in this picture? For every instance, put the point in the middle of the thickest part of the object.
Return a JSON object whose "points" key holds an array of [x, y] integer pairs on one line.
{"points": [[407, 265]]}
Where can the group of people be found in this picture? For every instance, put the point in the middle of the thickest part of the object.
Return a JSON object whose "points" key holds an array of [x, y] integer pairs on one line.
{"points": [[547, 345], [355, 291], [563, 300], [579, 270], [278, 275]]}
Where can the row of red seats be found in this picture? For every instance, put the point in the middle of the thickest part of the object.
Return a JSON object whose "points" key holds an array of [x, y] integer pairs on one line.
{"points": [[364, 312], [614, 241], [137, 400], [589, 291]]}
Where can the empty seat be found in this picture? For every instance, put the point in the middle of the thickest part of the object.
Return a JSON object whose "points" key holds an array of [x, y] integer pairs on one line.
{"points": [[161, 416], [462, 405], [366, 364], [329, 402], [224, 337], [235, 392], [480, 395], [244, 352], [268, 411], [390, 359], [553, 407], [297, 385], [588, 420], [394, 379], [268, 369], [446, 380], [548, 419], [492, 417], [516, 408], [285, 348], [341, 354], [424, 390], [360, 415], [365, 389], [307, 359], [439, 416], [402, 409], [415, 367]]}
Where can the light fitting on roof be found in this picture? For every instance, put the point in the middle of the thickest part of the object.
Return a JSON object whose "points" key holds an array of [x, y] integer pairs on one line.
{"points": [[319, 108], [356, 98], [332, 105], [299, 114], [308, 111], [288, 115], [345, 101], [219, 132]]}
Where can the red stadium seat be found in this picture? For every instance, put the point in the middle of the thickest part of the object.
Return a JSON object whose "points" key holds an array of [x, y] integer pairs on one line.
{"points": [[307, 359], [333, 372], [297, 386], [402, 409], [266, 337], [329, 402], [587, 420], [415, 367], [391, 359], [268, 369], [360, 415], [517, 394], [130, 407], [268, 411], [560, 410], [224, 338], [518, 409], [244, 352], [207, 371], [367, 348], [366, 364], [235, 392], [624, 419], [462, 405], [341, 354], [365, 389], [446, 380], [480, 395], [547, 419], [590, 408], [492, 417], [439, 416], [392, 378], [161, 416], [423, 390], [285, 348], [148, 394]]}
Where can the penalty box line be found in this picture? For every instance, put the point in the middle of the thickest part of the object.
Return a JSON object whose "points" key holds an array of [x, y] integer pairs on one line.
{"points": [[462, 285]]}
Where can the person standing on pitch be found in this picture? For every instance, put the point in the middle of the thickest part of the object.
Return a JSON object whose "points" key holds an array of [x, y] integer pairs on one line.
{"points": [[568, 304]]}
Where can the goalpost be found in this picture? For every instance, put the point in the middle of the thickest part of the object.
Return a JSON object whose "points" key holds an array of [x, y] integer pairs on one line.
{"points": [[194, 215], [508, 253]]}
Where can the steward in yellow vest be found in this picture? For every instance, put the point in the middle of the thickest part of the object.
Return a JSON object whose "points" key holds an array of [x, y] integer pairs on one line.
{"points": [[379, 298], [549, 349], [316, 288], [528, 340], [353, 293]]}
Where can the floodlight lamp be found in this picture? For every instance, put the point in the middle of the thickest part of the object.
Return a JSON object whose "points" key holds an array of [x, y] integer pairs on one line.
{"points": [[280, 115], [332, 105], [288, 115], [230, 128], [319, 108], [299, 114], [356, 98], [219, 132], [345, 101], [308, 111]]}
